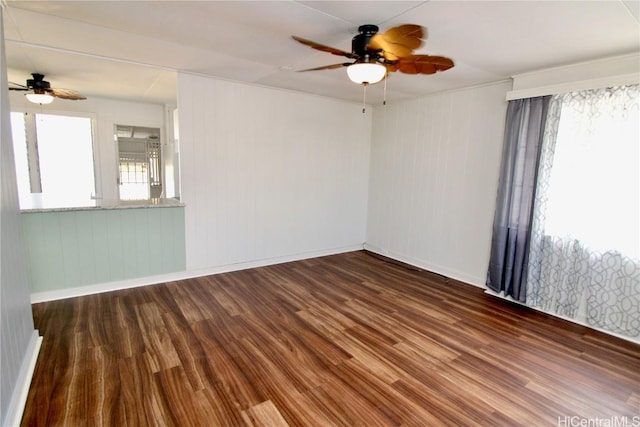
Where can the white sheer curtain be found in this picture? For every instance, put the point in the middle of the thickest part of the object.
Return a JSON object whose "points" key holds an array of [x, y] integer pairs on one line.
{"points": [[585, 249]]}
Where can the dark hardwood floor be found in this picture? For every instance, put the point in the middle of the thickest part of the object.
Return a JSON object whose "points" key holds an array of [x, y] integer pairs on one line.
{"points": [[341, 340]]}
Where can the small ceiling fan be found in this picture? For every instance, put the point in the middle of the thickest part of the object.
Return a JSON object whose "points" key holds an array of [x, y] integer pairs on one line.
{"points": [[377, 54], [41, 91]]}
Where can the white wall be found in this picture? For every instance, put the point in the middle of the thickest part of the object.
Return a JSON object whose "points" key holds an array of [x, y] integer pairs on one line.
{"points": [[434, 174], [16, 323], [108, 113], [268, 174]]}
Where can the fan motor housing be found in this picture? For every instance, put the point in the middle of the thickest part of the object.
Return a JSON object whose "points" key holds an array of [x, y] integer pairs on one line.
{"points": [[37, 83], [360, 41]]}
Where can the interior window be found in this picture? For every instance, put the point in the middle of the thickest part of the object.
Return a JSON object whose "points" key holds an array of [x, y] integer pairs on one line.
{"points": [[139, 162], [54, 160]]}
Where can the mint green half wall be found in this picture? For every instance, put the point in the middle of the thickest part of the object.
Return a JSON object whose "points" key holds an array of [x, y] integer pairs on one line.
{"points": [[72, 248]]}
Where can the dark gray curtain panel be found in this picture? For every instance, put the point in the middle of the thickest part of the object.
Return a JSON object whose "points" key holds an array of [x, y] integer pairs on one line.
{"points": [[524, 130]]}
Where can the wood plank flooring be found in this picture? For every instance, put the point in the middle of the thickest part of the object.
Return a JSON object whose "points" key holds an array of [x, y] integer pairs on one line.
{"points": [[343, 340]]}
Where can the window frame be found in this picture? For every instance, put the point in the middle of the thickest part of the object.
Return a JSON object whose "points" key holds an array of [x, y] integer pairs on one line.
{"points": [[159, 164], [33, 156]]}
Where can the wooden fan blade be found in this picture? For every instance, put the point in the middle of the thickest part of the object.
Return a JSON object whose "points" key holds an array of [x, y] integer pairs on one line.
{"points": [[17, 86], [392, 66], [398, 42], [326, 67], [322, 47], [65, 94], [422, 64], [408, 35]]}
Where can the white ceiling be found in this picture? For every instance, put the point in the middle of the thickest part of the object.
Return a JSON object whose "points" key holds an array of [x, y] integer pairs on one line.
{"points": [[132, 49]]}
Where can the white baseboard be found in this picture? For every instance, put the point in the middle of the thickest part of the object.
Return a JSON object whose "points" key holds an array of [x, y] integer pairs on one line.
{"points": [[23, 382], [479, 282], [568, 319], [181, 275], [438, 269]]}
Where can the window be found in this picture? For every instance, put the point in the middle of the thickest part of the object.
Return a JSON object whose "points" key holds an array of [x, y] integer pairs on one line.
{"points": [[566, 231], [54, 160], [139, 162], [594, 182], [584, 255]]}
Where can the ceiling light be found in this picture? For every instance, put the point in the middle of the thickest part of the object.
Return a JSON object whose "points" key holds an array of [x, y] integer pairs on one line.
{"points": [[39, 98], [366, 72]]}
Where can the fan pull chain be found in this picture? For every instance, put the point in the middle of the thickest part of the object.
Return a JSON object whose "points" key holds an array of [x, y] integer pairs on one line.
{"points": [[384, 99], [364, 97]]}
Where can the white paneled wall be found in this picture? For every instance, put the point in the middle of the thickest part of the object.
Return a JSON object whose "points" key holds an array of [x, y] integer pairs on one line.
{"points": [[17, 334], [268, 174], [434, 173]]}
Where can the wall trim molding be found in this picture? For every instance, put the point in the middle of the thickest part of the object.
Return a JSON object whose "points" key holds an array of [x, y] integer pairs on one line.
{"points": [[23, 382], [595, 74], [621, 80], [568, 319], [182, 275], [425, 265]]}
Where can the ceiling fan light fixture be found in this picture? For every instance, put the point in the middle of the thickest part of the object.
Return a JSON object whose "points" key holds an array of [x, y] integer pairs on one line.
{"points": [[366, 72], [39, 98]]}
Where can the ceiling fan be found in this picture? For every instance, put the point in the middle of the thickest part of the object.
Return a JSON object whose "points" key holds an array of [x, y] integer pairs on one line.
{"points": [[375, 55], [41, 92]]}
